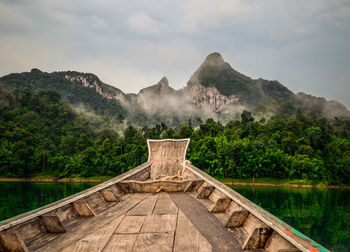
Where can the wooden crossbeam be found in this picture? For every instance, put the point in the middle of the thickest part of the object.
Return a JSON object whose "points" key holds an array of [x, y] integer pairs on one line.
{"points": [[204, 191], [83, 208], [109, 195], [12, 242], [257, 239], [52, 224], [237, 218]]}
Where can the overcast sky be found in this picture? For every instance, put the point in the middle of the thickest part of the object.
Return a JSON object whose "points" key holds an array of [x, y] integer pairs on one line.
{"points": [[133, 44]]}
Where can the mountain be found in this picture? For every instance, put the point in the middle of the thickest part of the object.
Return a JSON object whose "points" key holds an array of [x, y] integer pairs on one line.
{"points": [[82, 90], [214, 72], [214, 90]]}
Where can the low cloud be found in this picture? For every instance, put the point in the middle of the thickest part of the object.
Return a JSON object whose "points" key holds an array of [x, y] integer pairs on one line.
{"points": [[143, 24]]}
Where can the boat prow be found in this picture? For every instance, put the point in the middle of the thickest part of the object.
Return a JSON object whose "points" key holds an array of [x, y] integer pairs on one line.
{"points": [[166, 204]]}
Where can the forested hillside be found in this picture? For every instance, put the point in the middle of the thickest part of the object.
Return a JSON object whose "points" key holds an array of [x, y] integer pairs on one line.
{"points": [[41, 134]]}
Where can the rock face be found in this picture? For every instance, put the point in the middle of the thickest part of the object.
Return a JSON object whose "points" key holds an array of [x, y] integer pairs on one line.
{"points": [[92, 81], [210, 96]]}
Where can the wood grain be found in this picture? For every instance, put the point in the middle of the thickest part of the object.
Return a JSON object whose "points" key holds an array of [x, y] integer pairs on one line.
{"points": [[131, 224], [96, 240], [90, 225], [165, 205], [159, 223], [155, 242], [121, 242], [188, 238], [145, 207]]}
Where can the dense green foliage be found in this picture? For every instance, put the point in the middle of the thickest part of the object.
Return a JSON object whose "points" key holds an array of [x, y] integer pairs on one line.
{"points": [[41, 134], [74, 92]]}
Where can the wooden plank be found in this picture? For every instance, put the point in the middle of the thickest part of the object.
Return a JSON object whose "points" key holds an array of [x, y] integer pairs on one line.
{"points": [[94, 200], [159, 223], [258, 233], [83, 208], [237, 218], [12, 242], [188, 238], [109, 195], [204, 191], [257, 239], [42, 240], [238, 215], [52, 224], [221, 201], [145, 207], [96, 240], [153, 186], [194, 185], [131, 224], [165, 205], [278, 243], [206, 223], [142, 175], [65, 213], [155, 242], [30, 230], [89, 225], [221, 205], [121, 242]]}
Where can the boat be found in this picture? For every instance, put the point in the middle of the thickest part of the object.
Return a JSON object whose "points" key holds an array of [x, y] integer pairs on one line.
{"points": [[165, 204]]}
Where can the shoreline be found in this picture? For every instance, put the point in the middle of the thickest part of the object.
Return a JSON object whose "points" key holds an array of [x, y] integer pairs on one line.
{"points": [[82, 180], [50, 180], [286, 185]]}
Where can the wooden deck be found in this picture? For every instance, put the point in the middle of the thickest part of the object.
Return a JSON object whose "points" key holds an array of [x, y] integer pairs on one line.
{"points": [[163, 221]]}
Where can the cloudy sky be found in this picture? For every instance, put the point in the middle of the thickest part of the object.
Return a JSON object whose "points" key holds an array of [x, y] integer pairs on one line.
{"points": [[132, 44]]}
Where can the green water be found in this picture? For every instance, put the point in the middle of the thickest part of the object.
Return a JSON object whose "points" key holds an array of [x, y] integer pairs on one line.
{"points": [[321, 214], [20, 197]]}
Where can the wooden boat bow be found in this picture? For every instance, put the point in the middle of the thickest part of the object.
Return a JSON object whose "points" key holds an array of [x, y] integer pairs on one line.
{"points": [[166, 204]]}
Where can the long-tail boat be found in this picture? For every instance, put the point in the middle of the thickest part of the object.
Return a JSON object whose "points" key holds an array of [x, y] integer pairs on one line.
{"points": [[165, 204]]}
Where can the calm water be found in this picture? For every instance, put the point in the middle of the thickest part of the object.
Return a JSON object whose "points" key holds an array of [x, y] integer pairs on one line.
{"points": [[321, 214], [20, 197]]}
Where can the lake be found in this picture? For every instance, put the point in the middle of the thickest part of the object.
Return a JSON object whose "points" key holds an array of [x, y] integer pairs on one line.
{"points": [[20, 197], [321, 214]]}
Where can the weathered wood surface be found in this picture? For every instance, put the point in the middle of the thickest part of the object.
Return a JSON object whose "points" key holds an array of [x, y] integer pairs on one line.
{"points": [[83, 208], [132, 186], [284, 230], [12, 242], [96, 240], [207, 224], [92, 224], [165, 205], [166, 156], [188, 238], [144, 207], [109, 195], [52, 224]]}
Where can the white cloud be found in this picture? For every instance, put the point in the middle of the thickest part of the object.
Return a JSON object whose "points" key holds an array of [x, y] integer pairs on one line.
{"points": [[98, 23], [141, 23]]}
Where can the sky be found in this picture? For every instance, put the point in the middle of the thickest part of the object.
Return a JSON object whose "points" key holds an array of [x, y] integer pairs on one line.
{"points": [[305, 45]]}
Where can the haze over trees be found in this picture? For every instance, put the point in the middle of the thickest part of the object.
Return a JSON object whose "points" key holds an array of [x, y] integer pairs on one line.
{"points": [[40, 133]]}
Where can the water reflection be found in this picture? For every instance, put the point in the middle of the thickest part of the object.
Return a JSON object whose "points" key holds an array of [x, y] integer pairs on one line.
{"points": [[20, 197], [321, 214]]}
